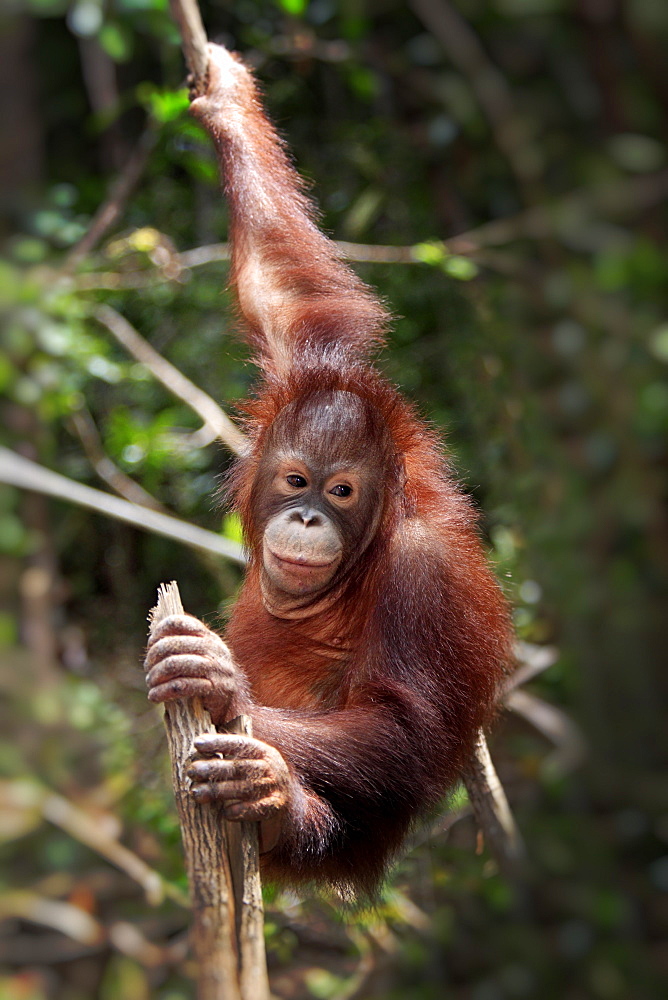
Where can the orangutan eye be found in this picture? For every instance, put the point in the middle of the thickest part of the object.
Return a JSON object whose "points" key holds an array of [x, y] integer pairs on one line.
{"points": [[342, 490], [297, 481]]}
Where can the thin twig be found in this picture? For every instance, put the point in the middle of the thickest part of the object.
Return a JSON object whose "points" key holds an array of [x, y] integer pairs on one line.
{"points": [[618, 199], [88, 434], [556, 219], [61, 916], [111, 208], [129, 940], [361, 253], [189, 440], [555, 725], [174, 380], [115, 281], [85, 829], [466, 52], [534, 660], [76, 924], [440, 826]]}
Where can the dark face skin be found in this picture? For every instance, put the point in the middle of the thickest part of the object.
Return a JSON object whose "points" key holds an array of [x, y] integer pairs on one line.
{"points": [[317, 511], [319, 494]]}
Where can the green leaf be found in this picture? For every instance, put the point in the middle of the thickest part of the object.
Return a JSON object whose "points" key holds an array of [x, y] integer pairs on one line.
{"points": [[123, 977], [201, 168], [132, 5], [116, 41], [164, 104], [29, 250], [458, 799], [432, 253], [363, 81], [637, 153], [324, 984], [232, 529], [460, 268], [294, 7], [12, 534], [658, 342], [47, 8], [9, 279], [7, 372], [363, 212]]}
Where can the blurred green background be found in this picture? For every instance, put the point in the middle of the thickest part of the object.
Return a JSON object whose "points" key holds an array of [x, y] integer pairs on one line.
{"points": [[514, 151]]}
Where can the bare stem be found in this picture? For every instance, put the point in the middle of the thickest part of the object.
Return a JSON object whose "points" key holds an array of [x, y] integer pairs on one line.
{"points": [[204, 837], [172, 378], [491, 809], [15, 470], [125, 486], [222, 859], [193, 39], [110, 209]]}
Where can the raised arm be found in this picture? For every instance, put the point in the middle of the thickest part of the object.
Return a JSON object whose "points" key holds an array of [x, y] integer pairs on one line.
{"points": [[291, 284]]}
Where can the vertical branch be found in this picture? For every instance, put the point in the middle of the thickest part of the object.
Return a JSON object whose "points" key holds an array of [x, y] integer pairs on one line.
{"points": [[193, 40], [245, 864], [221, 860], [204, 841], [491, 810]]}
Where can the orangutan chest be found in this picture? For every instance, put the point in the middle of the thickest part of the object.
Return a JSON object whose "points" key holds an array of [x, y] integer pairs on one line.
{"points": [[301, 678]]}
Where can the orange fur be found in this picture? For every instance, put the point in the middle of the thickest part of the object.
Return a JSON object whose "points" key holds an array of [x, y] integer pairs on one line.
{"points": [[375, 700]]}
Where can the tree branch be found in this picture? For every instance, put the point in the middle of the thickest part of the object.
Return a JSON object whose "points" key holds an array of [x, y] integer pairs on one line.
{"points": [[557, 219], [15, 470], [88, 434], [555, 725], [172, 378], [491, 810], [88, 831], [222, 859], [534, 660], [193, 41], [110, 209]]}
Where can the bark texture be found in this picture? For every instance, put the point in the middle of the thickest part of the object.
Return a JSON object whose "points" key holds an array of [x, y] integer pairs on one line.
{"points": [[222, 860]]}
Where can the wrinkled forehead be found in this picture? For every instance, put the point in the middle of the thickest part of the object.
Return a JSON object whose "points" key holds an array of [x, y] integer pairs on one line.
{"points": [[330, 426]]}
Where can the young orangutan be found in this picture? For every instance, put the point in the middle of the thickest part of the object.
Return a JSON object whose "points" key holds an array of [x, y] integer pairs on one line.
{"points": [[370, 637]]}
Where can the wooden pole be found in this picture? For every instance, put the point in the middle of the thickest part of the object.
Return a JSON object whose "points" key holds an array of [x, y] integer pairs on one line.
{"points": [[222, 859]]}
